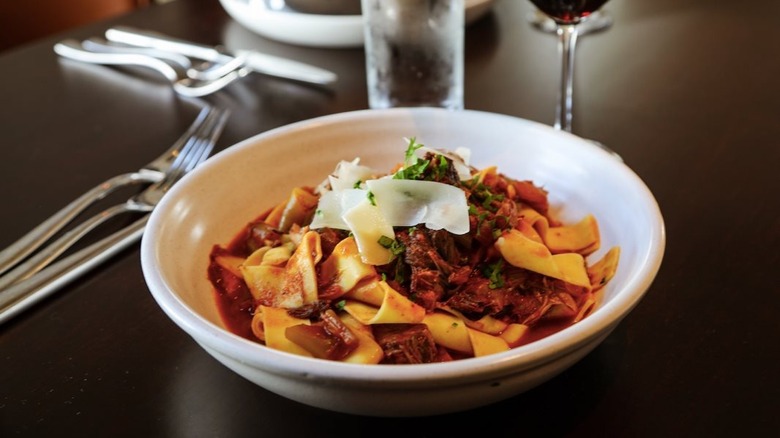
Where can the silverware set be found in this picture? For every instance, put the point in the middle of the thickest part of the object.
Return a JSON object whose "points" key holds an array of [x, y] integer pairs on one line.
{"points": [[29, 276], [194, 70], [34, 267]]}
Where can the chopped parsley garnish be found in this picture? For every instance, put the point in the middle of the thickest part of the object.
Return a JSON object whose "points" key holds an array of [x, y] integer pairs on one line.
{"points": [[357, 184], [340, 305], [393, 245], [371, 198], [415, 166], [493, 272], [413, 171], [413, 146], [442, 167]]}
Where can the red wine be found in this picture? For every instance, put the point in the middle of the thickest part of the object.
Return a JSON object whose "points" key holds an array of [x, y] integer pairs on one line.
{"points": [[568, 11]]}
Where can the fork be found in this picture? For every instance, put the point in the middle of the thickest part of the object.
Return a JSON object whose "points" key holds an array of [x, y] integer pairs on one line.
{"points": [[211, 71], [196, 149], [149, 173], [184, 86], [26, 293]]}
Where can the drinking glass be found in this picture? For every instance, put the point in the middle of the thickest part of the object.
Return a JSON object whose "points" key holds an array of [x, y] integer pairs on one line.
{"points": [[567, 14], [414, 52]]}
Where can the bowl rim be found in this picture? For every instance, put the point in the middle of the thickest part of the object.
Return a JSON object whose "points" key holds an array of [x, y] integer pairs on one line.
{"points": [[521, 358]]}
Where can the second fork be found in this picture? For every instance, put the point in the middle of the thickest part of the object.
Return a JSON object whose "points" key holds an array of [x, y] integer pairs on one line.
{"points": [[196, 150]]}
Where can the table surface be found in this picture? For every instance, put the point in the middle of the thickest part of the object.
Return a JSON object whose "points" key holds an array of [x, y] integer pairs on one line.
{"points": [[685, 90]]}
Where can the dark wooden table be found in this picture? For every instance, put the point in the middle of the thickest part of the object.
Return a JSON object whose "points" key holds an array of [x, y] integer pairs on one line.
{"points": [[687, 91]]}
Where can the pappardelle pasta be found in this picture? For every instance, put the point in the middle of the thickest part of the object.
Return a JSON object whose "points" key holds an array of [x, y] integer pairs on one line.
{"points": [[433, 261]]}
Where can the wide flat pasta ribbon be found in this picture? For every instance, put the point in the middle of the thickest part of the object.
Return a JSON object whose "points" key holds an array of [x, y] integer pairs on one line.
{"points": [[368, 351], [289, 286], [343, 269], [394, 308], [603, 270], [452, 332], [582, 237], [275, 322], [522, 252], [298, 206]]}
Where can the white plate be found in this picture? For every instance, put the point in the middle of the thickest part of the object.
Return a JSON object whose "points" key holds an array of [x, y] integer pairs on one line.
{"points": [[332, 31]]}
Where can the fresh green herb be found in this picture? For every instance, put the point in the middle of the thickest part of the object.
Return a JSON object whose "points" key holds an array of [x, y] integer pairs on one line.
{"points": [[357, 184], [393, 245], [488, 202], [400, 274], [481, 218], [493, 272], [413, 171], [414, 167], [441, 168], [385, 241], [410, 150], [384, 277], [371, 198], [318, 212], [340, 305]]}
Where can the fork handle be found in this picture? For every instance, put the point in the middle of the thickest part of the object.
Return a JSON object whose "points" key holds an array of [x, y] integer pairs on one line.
{"points": [[42, 258], [33, 240], [73, 50], [28, 292]]}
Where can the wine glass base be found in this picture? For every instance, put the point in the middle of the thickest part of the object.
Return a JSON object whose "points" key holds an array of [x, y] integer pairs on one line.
{"points": [[596, 22]]}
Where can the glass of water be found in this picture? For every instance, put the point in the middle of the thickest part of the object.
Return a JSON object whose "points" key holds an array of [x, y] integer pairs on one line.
{"points": [[414, 53]]}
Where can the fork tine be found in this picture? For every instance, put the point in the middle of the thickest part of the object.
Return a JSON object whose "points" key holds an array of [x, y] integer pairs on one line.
{"points": [[153, 171], [198, 147], [210, 139], [23, 293]]}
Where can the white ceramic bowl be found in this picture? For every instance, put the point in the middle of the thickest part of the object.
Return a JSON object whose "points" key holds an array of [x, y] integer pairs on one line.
{"points": [[316, 30], [215, 201]]}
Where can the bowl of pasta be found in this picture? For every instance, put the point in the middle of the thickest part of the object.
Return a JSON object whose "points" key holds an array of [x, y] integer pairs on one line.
{"points": [[404, 262]]}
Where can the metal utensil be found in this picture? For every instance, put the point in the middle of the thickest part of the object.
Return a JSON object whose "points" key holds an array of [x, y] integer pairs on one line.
{"points": [[255, 61], [149, 173], [27, 293], [185, 86], [197, 148], [177, 61]]}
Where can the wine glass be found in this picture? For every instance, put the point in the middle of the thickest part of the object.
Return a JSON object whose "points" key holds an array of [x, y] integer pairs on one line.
{"points": [[567, 14], [597, 21]]}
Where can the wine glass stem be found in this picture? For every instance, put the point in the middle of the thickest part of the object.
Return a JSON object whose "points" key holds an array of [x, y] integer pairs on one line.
{"points": [[567, 41]]}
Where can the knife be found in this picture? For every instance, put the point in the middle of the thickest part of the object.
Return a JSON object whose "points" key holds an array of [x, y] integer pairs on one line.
{"points": [[26, 293], [256, 61]]}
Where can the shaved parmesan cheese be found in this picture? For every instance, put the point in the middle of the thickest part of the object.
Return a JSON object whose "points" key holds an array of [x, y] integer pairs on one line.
{"points": [[349, 175], [371, 213], [411, 202], [332, 206], [368, 225]]}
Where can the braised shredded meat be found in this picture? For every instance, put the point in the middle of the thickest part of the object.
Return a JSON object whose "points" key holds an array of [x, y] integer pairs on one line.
{"points": [[406, 343]]}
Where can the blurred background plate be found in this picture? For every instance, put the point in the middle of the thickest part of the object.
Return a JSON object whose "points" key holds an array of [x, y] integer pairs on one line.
{"points": [[272, 19]]}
